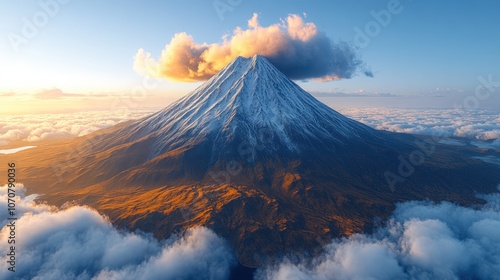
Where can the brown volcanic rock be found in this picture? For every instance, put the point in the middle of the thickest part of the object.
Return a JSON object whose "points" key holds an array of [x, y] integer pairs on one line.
{"points": [[254, 157]]}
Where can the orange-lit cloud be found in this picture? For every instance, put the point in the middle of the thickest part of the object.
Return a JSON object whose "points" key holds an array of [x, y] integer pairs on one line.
{"points": [[295, 47]]}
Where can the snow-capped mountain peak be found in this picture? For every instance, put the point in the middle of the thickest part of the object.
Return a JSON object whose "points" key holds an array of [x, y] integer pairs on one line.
{"points": [[246, 97]]}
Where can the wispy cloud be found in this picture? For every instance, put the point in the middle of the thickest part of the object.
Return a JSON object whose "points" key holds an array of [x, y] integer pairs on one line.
{"points": [[7, 94], [360, 93], [54, 93]]}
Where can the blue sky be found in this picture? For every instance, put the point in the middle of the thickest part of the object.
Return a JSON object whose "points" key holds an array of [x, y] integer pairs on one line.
{"points": [[429, 48]]}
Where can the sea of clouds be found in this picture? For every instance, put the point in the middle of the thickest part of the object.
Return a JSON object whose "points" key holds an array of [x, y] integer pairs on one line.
{"points": [[32, 128], [79, 243], [421, 240], [477, 125], [472, 124]]}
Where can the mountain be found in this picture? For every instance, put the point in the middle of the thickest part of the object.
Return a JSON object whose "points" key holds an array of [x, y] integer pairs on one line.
{"points": [[254, 157]]}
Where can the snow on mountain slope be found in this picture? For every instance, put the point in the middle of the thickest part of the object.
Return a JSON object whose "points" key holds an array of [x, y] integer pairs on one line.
{"points": [[248, 96]]}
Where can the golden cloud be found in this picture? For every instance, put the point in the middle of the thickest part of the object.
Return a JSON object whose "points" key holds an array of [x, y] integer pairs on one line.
{"points": [[295, 47]]}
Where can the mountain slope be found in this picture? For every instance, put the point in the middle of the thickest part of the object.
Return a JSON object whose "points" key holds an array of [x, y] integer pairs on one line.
{"points": [[248, 98], [254, 157]]}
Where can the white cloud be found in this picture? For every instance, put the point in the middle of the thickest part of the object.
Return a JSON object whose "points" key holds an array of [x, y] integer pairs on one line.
{"points": [[33, 128], [13, 151], [422, 240], [473, 124], [79, 243]]}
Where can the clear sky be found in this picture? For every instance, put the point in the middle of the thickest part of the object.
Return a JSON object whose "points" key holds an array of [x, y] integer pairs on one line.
{"points": [[87, 48]]}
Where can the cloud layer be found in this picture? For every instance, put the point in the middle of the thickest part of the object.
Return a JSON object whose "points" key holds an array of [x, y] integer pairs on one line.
{"points": [[53, 93], [52, 126], [472, 124], [295, 47], [78, 243], [422, 240]]}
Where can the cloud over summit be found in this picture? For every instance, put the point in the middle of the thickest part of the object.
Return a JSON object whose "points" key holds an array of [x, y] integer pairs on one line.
{"points": [[295, 47]]}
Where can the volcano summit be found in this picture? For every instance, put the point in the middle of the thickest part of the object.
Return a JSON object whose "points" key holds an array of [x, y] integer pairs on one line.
{"points": [[257, 159]]}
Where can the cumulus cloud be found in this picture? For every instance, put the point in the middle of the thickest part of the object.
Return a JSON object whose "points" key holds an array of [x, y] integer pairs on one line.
{"points": [[51, 126], [422, 240], [295, 47], [472, 124], [79, 243]]}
